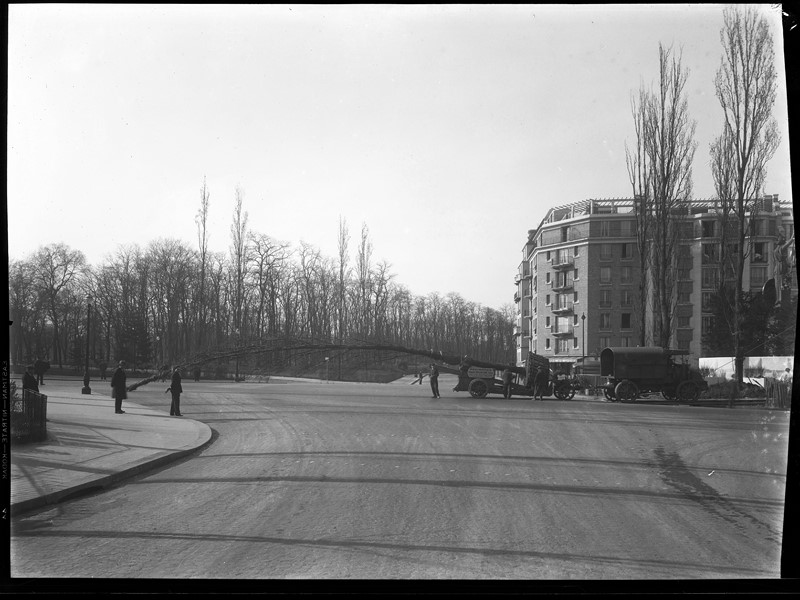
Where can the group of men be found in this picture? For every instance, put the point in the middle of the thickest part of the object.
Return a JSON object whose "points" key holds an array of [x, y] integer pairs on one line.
{"points": [[541, 381]]}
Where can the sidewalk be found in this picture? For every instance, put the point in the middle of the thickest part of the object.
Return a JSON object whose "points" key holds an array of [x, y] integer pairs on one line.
{"points": [[89, 447]]}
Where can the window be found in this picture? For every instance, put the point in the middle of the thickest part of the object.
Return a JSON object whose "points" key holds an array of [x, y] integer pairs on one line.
{"points": [[627, 251], [562, 346], [576, 251], [758, 276], [605, 229], [565, 234], [710, 278], [627, 298], [547, 321], [547, 300], [606, 252], [605, 298], [626, 229], [683, 344], [605, 341], [574, 342], [708, 229], [625, 322], [575, 275], [574, 319], [708, 324], [684, 274], [548, 255], [684, 297], [605, 274], [710, 253], [683, 322], [547, 278], [626, 274], [626, 342], [547, 344], [759, 252], [706, 301], [605, 320], [575, 297]]}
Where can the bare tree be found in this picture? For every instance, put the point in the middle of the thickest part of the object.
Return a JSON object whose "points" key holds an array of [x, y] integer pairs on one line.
{"points": [[640, 174], [239, 247], [661, 174], [746, 86], [201, 219]]}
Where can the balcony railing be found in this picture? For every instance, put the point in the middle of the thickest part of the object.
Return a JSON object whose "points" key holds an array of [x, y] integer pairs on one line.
{"points": [[563, 332], [567, 285], [562, 310], [563, 264]]}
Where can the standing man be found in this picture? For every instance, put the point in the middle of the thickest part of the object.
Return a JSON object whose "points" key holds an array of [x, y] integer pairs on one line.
{"points": [[176, 389], [541, 382], [39, 368], [434, 375], [119, 390], [29, 380], [507, 378], [103, 366]]}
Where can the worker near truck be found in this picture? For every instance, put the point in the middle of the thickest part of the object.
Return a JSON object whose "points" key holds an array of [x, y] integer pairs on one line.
{"points": [[540, 383], [508, 376], [434, 375]]}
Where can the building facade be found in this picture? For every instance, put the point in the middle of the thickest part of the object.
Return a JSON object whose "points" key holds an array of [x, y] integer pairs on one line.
{"points": [[579, 281]]}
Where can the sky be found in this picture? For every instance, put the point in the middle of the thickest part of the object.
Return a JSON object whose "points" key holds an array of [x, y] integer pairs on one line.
{"points": [[447, 130]]}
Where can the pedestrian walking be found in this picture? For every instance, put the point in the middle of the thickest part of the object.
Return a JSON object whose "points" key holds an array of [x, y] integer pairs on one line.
{"points": [[103, 366], [29, 380], [196, 373], [40, 368], [508, 376], [434, 375], [540, 383], [119, 390], [176, 389]]}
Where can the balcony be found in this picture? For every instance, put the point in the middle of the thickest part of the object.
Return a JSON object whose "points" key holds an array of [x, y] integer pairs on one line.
{"points": [[562, 287], [563, 332], [562, 310], [563, 264]]}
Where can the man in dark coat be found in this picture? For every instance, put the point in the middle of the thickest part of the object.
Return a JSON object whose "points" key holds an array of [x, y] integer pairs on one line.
{"points": [[29, 380], [435, 381], [119, 389], [176, 389], [40, 367], [541, 382], [103, 366]]}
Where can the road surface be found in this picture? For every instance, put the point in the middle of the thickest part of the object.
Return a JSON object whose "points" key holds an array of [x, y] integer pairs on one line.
{"points": [[316, 480]]}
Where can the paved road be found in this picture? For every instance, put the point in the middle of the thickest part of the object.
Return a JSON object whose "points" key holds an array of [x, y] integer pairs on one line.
{"points": [[315, 480]]}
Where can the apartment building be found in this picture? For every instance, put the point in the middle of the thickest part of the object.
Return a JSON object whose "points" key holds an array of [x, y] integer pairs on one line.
{"points": [[578, 284]]}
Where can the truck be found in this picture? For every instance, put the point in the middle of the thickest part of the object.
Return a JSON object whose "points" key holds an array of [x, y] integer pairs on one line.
{"points": [[630, 372], [480, 378]]}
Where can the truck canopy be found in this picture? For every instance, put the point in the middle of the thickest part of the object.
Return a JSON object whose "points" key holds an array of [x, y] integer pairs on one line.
{"points": [[635, 363]]}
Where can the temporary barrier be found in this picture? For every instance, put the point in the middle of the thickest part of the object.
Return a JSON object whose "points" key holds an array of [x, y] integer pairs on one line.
{"points": [[29, 417]]}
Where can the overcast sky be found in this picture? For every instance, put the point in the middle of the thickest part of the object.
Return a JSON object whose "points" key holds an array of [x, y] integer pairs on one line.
{"points": [[449, 130]]}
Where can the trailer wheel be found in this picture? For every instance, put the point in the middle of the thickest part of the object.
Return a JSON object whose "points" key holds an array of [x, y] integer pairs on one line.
{"points": [[668, 392], [687, 391], [478, 388], [626, 391], [564, 391], [609, 395]]}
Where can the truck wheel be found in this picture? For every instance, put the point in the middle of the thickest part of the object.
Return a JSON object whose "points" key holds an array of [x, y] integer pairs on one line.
{"points": [[564, 391], [626, 391], [478, 388], [669, 393], [687, 391], [609, 395]]}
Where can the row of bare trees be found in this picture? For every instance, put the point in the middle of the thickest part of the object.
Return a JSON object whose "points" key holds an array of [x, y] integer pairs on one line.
{"points": [[660, 169], [168, 301]]}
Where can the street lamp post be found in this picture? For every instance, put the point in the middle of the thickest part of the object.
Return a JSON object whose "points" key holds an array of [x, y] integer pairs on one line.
{"points": [[327, 372], [583, 345], [86, 389]]}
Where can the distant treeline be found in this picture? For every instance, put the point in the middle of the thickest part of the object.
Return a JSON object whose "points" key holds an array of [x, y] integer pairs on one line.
{"points": [[160, 304]]}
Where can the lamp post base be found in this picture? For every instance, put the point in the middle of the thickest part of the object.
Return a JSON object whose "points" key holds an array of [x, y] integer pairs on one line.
{"points": [[86, 390]]}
